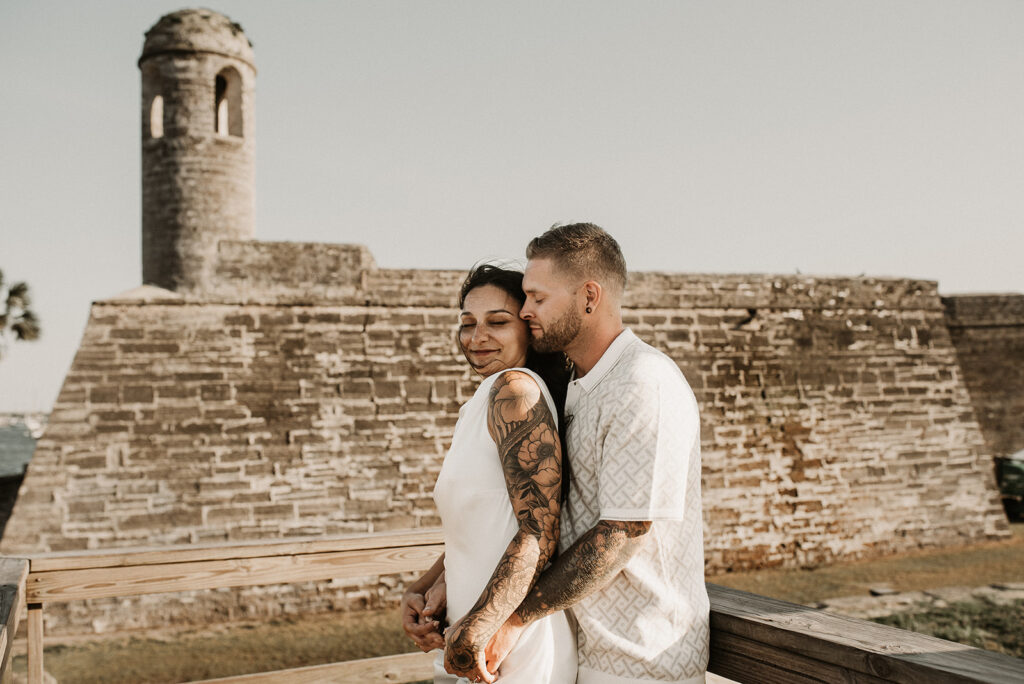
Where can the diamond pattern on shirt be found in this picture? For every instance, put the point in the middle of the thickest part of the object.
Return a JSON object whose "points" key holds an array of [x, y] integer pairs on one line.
{"points": [[635, 452]]}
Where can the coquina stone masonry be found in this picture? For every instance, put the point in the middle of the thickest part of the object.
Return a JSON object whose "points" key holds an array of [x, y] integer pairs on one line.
{"points": [[988, 333], [836, 423]]}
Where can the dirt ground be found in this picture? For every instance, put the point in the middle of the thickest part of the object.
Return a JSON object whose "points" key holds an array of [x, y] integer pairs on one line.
{"points": [[970, 566], [238, 648]]}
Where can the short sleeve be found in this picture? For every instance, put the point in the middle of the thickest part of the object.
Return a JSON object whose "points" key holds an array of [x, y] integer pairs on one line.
{"points": [[648, 444]]}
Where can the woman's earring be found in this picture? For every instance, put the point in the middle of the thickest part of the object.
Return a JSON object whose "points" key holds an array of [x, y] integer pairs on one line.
{"points": [[589, 310]]}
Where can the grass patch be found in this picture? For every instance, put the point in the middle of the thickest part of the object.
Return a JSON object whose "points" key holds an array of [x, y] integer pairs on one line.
{"points": [[982, 624]]}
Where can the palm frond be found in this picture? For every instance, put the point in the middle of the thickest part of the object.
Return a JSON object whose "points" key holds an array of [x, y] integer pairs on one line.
{"points": [[16, 316], [26, 327], [17, 296], [19, 290]]}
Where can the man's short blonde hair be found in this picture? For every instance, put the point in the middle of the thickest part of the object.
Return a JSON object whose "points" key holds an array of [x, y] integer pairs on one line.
{"points": [[584, 250]]}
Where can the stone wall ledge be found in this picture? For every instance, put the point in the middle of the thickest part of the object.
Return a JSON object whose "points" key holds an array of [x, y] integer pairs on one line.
{"points": [[251, 272], [984, 310]]}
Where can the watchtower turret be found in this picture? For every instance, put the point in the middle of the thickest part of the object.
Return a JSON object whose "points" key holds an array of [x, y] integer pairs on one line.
{"points": [[197, 146]]}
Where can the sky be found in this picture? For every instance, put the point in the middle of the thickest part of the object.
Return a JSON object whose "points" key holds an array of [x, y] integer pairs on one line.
{"points": [[877, 137]]}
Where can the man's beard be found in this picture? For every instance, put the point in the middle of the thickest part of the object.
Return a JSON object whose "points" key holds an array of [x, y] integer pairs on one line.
{"points": [[559, 334]]}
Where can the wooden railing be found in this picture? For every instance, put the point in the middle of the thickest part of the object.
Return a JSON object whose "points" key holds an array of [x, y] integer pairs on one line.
{"points": [[759, 639], [753, 638], [71, 576]]}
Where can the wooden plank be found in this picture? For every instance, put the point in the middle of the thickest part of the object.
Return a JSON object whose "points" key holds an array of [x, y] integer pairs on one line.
{"points": [[856, 645], [153, 555], [862, 647], [9, 607], [746, 670], [406, 667], [35, 643], [71, 585], [13, 573], [752, 661]]}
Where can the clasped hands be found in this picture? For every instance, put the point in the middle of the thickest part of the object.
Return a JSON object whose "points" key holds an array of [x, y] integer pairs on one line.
{"points": [[476, 656], [422, 615], [467, 654]]}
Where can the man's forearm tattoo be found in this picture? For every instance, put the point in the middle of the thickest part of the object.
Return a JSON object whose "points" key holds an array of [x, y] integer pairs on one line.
{"points": [[523, 429], [587, 566]]}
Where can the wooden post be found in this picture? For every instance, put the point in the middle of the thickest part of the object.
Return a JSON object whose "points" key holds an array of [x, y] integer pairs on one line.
{"points": [[13, 579], [35, 643]]}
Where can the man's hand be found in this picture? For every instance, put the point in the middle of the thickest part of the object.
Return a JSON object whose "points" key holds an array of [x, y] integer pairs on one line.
{"points": [[502, 642], [463, 655], [422, 629]]}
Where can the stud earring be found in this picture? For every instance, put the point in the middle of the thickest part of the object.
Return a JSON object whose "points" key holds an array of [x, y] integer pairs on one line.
{"points": [[589, 310]]}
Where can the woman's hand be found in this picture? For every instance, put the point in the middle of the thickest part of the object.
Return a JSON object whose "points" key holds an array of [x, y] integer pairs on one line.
{"points": [[424, 631], [420, 625], [436, 600]]}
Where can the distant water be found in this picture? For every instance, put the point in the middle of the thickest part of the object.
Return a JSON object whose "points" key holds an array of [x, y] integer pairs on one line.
{"points": [[16, 447]]}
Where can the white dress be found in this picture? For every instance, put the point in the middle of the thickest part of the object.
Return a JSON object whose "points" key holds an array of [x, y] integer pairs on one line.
{"points": [[478, 523]]}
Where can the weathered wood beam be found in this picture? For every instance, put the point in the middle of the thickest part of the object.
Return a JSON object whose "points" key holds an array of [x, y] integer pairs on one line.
{"points": [[13, 574], [755, 638], [127, 580], [161, 555], [35, 643]]}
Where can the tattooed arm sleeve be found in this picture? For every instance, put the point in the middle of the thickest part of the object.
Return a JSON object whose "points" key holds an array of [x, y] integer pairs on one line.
{"points": [[524, 430], [587, 566]]}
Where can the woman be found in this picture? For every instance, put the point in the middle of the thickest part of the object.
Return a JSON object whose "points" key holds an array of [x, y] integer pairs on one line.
{"points": [[499, 493]]}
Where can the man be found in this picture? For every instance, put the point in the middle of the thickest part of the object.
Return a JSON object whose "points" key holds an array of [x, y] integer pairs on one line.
{"points": [[631, 561]]}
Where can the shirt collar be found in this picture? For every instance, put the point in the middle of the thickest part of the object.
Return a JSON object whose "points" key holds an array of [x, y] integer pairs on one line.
{"points": [[607, 360]]}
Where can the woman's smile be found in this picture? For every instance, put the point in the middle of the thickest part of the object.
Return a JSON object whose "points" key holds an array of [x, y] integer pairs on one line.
{"points": [[491, 334], [482, 353]]}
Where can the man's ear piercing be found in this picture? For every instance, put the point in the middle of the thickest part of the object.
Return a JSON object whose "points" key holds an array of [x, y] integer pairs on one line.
{"points": [[589, 310]]}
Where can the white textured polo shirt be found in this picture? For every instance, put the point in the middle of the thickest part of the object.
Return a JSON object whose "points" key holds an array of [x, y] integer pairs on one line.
{"points": [[633, 434]]}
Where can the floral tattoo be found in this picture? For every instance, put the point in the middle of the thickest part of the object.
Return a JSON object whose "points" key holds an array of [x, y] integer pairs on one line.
{"points": [[585, 567], [524, 431]]}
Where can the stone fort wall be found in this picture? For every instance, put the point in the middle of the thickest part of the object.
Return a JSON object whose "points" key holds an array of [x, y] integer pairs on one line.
{"points": [[312, 393], [988, 333]]}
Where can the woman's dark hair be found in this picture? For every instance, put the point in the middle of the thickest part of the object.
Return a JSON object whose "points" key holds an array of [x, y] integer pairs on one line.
{"points": [[552, 367]]}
